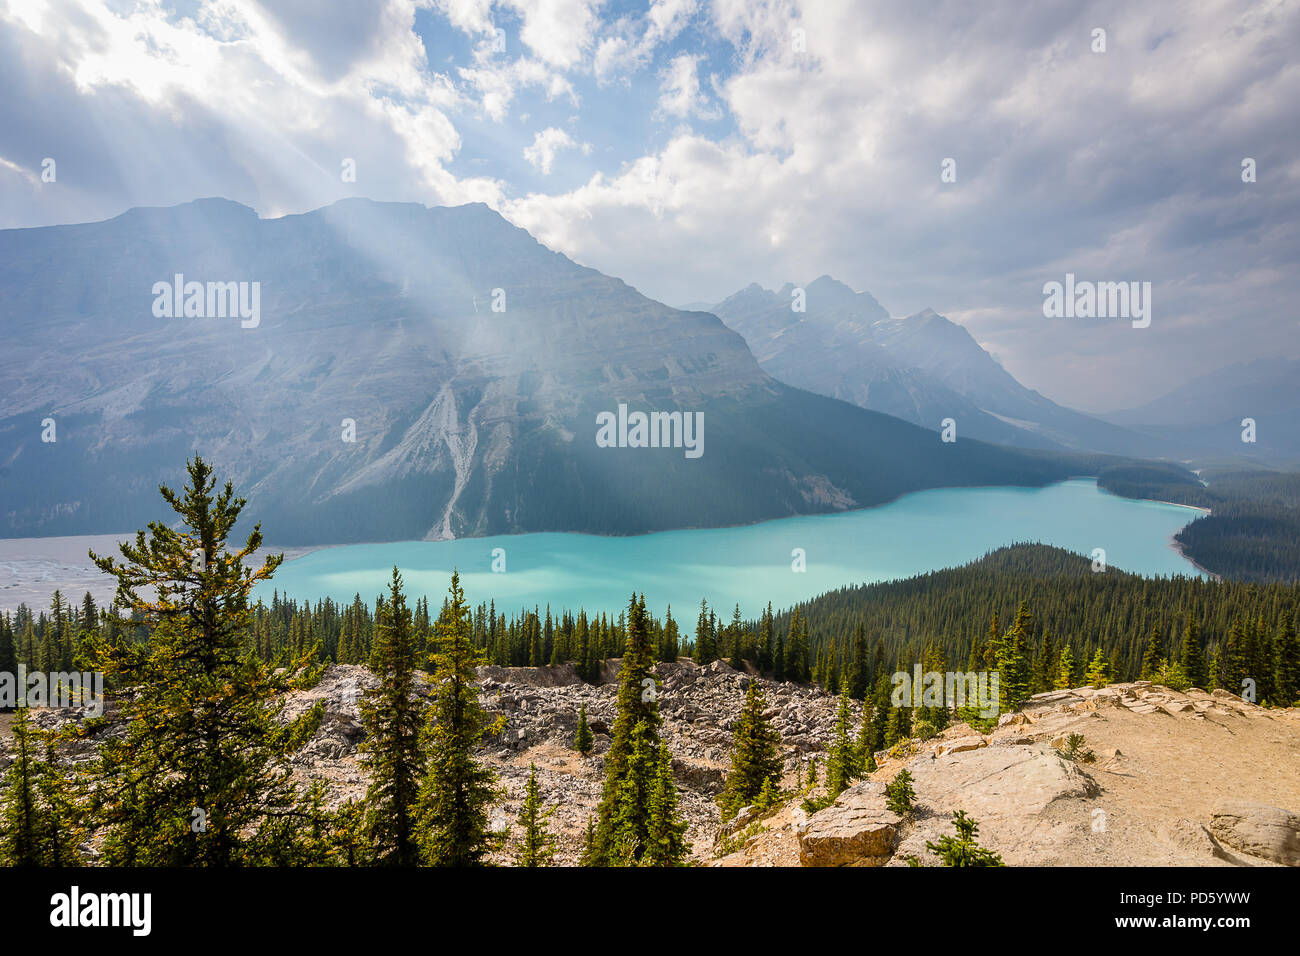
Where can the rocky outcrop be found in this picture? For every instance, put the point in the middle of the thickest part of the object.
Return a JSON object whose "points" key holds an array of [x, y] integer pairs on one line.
{"points": [[1260, 830], [1149, 796], [858, 829], [1158, 793], [696, 704]]}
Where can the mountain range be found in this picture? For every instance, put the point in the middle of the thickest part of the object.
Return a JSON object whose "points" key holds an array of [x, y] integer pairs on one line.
{"points": [[1208, 412], [923, 368], [467, 362]]}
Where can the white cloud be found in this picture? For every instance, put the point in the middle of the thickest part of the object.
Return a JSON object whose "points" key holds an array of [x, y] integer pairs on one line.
{"points": [[1123, 164], [679, 90], [630, 42], [559, 32], [547, 143]]}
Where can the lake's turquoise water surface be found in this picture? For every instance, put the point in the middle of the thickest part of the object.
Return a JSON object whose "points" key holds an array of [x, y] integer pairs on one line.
{"points": [[752, 565]]}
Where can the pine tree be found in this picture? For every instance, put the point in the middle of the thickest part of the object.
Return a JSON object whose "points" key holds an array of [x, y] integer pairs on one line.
{"points": [[755, 754], [1286, 664], [1098, 674], [735, 640], [706, 650], [962, 850], [458, 789], [899, 793], [796, 650], [857, 676], [866, 742], [1154, 655], [537, 846], [842, 758], [38, 817], [1065, 669], [393, 717], [590, 856], [632, 764], [8, 650], [670, 643], [1193, 658], [201, 775], [666, 834], [1011, 650], [880, 711], [583, 739]]}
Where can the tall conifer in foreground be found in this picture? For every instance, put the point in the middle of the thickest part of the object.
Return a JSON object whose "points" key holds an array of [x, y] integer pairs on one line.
{"points": [[842, 757], [394, 718], [38, 825], [537, 847], [633, 764], [666, 843], [755, 755], [458, 789], [201, 775]]}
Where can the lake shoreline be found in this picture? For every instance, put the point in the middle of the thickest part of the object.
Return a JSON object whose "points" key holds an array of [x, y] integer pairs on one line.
{"points": [[918, 532]]}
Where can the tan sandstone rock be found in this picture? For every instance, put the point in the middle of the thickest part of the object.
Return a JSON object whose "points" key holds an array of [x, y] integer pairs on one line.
{"points": [[856, 830], [1260, 830]]}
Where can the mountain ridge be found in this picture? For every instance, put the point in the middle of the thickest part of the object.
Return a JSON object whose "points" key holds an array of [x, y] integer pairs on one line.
{"points": [[468, 419], [922, 368]]}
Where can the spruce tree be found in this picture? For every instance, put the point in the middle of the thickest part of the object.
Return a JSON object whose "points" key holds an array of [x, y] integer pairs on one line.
{"points": [[201, 776], [857, 676], [899, 793], [842, 758], [1154, 655], [590, 856], [393, 717], [1098, 674], [458, 788], [8, 650], [706, 651], [537, 846], [796, 650], [1012, 653], [633, 762], [898, 727], [583, 739], [1286, 663], [1065, 668], [866, 742], [962, 850], [666, 843], [755, 754], [38, 816], [1193, 657]]}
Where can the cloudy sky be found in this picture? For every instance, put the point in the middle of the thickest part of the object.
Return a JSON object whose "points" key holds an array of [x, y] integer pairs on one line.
{"points": [[694, 146]]}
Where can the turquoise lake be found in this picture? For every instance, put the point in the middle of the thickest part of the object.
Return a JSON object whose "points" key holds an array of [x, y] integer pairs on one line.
{"points": [[752, 565]]}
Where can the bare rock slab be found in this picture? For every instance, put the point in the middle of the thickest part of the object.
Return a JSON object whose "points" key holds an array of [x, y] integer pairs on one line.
{"points": [[856, 830], [1260, 830]]}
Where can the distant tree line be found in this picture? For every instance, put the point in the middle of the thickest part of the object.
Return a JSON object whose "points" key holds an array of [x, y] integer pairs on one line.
{"points": [[1253, 530]]}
